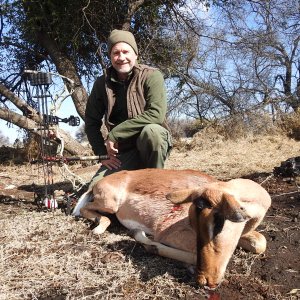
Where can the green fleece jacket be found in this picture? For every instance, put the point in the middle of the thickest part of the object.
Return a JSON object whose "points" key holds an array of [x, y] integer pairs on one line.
{"points": [[126, 106]]}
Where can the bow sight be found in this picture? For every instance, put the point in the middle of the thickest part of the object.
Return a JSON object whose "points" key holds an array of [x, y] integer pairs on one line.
{"points": [[54, 120]]}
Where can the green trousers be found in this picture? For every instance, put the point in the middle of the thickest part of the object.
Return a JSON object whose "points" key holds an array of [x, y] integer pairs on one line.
{"points": [[152, 149]]}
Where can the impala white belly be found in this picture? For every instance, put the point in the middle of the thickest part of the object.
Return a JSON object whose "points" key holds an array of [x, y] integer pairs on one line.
{"points": [[131, 224]]}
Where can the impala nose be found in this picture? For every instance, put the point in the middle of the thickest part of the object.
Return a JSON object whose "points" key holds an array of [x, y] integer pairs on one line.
{"points": [[239, 215], [207, 282]]}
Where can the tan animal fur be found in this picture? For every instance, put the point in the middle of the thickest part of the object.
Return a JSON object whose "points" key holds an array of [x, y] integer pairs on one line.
{"points": [[191, 216]]}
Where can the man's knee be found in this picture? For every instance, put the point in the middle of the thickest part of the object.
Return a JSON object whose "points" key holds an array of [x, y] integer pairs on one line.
{"points": [[153, 135], [154, 144]]}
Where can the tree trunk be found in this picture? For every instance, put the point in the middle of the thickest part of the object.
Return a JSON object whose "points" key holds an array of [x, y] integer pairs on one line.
{"points": [[19, 103], [66, 68], [133, 6]]}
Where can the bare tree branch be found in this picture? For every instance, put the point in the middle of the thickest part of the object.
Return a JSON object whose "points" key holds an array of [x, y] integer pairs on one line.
{"points": [[19, 103]]}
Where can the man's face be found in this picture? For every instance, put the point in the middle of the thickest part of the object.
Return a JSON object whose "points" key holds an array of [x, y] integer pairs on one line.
{"points": [[123, 59]]}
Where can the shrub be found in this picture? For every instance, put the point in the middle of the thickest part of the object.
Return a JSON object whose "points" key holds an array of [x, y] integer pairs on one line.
{"points": [[290, 124]]}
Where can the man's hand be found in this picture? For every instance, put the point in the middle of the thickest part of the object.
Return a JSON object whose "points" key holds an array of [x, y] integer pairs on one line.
{"points": [[112, 150]]}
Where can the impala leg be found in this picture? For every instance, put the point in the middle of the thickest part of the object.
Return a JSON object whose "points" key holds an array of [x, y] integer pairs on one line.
{"points": [[163, 250], [90, 212], [253, 241], [83, 200]]}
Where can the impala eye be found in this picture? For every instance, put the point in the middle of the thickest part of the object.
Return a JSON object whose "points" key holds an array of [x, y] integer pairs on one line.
{"points": [[201, 203]]}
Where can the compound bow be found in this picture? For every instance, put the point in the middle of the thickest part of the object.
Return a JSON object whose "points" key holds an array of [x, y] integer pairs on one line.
{"points": [[49, 134]]}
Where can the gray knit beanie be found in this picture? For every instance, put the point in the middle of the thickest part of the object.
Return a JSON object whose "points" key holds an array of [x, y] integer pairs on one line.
{"points": [[117, 36]]}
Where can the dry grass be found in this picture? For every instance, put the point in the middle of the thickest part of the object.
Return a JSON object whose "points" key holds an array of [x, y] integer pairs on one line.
{"points": [[47, 255], [51, 256], [225, 159]]}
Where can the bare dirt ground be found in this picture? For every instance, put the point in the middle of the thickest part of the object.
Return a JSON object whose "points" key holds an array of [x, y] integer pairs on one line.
{"points": [[49, 255]]}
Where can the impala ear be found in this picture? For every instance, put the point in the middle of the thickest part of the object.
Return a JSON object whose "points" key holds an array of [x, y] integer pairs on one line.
{"points": [[181, 196]]}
